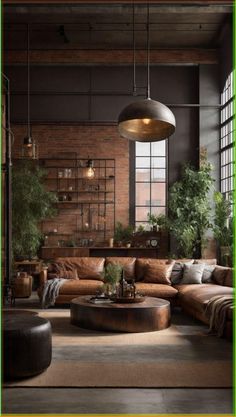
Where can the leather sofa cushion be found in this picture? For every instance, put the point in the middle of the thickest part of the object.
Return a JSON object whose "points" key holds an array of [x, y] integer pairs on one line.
{"points": [[197, 296], [63, 273], [128, 264], [158, 274], [87, 267], [80, 287], [220, 274], [156, 290], [228, 282], [141, 264]]}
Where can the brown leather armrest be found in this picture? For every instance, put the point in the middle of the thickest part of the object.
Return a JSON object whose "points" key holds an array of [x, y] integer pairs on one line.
{"points": [[43, 277]]}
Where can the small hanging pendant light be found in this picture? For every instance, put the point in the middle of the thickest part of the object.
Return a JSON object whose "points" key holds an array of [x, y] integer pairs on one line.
{"points": [[89, 171], [30, 147], [146, 120]]}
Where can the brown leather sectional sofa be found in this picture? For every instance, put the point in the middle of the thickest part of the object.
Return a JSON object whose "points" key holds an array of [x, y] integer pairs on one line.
{"points": [[84, 278]]}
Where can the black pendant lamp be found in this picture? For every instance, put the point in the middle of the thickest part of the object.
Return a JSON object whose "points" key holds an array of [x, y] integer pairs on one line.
{"points": [[30, 147], [146, 120]]}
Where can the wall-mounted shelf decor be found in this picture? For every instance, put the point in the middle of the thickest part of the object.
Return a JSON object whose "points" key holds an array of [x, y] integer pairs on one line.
{"points": [[86, 201]]}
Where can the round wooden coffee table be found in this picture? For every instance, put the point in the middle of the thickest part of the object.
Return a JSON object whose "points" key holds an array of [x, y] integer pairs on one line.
{"points": [[151, 315]]}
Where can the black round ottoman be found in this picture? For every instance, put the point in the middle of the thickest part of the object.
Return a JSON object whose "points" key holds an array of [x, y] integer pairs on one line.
{"points": [[27, 344]]}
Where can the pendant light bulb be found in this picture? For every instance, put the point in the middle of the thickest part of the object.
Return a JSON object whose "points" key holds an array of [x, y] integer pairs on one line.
{"points": [[90, 170]]}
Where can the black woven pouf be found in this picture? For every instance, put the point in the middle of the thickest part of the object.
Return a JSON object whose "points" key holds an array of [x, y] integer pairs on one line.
{"points": [[27, 345]]}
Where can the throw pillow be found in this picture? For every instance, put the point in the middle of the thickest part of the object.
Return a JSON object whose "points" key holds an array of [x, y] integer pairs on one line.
{"points": [[177, 272], [158, 274], [207, 276], [219, 274], [193, 274]]}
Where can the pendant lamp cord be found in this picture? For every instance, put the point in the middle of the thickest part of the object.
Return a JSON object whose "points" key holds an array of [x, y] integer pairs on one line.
{"points": [[134, 53], [148, 54], [28, 80]]}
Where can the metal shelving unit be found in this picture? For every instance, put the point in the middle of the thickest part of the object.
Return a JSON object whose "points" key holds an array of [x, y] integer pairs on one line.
{"points": [[86, 206]]}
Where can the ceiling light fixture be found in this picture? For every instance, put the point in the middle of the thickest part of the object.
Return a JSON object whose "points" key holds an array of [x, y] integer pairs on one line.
{"points": [[146, 120], [30, 147]]}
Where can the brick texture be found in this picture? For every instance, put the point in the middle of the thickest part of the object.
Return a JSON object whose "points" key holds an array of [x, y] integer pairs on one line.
{"points": [[86, 141]]}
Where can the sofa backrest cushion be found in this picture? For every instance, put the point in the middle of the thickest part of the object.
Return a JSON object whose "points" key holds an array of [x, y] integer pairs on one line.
{"points": [[87, 267], [212, 261], [59, 271], [128, 264], [141, 264], [228, 282], [158, 273], [220, 274]]}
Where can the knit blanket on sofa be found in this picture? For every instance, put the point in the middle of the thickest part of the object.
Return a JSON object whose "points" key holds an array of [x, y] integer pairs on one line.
{"points": [[216, 312], [50, 291]]}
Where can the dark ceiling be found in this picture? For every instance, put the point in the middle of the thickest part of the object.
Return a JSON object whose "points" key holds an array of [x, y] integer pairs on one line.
{"points": [[103, 26]]}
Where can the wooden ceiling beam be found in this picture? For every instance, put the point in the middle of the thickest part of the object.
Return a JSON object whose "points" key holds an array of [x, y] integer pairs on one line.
{"points": [[114, 57], [162, 2]]}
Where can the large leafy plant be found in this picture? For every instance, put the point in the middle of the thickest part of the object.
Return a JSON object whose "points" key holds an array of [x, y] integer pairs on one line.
{"points": [[190, 210], [223, 230], [31, 203]]}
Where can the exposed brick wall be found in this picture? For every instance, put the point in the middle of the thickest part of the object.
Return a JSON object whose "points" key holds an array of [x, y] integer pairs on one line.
{"points": [[92, 141]]}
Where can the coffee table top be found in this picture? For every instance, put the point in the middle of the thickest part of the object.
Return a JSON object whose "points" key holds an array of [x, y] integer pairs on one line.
{"points": [[149, 302]]}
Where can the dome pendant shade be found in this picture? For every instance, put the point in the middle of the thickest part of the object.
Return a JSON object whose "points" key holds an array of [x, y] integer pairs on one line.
{"points": [[146, 121]]}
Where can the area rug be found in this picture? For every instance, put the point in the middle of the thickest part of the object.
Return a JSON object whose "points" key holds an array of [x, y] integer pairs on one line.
{"points": [[183, 355]]}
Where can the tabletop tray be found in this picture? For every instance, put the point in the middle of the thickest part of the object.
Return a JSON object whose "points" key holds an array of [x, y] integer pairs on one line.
{"points": [[127, 300]]}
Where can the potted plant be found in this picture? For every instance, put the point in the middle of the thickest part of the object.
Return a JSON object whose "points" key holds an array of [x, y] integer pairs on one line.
{"points": [[123, 234], [112, 275], [190, 210], [157, 221], [31, 203], [223, 226]]}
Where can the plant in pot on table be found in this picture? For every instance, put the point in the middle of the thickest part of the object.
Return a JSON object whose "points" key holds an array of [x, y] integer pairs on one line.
{"points": [[123, 234], [112, 275], [158, 222]]}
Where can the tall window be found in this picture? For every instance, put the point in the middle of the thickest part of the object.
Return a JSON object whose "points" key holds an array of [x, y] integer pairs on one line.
{"points": [[227, 138], [150, 180]]}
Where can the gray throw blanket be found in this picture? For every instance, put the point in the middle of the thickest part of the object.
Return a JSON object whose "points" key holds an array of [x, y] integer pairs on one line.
{"points": [[216, 312], [50, 291]]}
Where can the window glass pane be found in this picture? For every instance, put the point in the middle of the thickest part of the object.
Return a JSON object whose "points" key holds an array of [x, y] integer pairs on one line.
{"points": [[142, 162], [158, 193], [142, 194], [143, 174], [142, 149], [158, 148], [158, 175], [158, 210], [141, 213], [158, 162]]}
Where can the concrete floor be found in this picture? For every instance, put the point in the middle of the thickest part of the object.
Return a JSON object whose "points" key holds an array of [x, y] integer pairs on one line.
{"points": [[121, 401], [113, 400]]}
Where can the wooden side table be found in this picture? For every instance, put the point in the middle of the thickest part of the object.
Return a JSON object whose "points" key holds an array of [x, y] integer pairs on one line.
{"points": [[21, 288]]}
